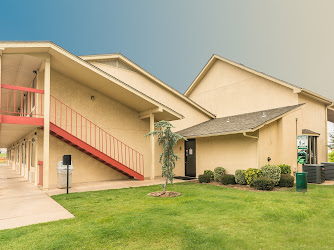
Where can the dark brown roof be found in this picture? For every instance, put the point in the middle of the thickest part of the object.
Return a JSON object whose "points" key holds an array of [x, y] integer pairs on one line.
{"points": [[237, 123], [309, 132]]}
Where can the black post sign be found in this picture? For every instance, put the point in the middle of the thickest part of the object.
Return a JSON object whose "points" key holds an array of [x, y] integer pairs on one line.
{"points": [[67, 162]]}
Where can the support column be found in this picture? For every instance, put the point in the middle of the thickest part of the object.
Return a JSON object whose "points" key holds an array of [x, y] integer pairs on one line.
{"points": [[0, 75], [152, 146], [46, 137]]}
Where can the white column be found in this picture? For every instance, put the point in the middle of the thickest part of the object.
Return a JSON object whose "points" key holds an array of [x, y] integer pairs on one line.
{"points": [[46, 141], [0, 74], [152, 146]]}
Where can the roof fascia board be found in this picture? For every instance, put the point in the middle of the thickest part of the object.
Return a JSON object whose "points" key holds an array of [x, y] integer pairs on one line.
{"points": [[200, 76], [150, 76], [316, 96]]}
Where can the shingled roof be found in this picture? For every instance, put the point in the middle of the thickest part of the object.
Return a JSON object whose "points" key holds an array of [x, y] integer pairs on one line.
{"points": [[237, 124]]}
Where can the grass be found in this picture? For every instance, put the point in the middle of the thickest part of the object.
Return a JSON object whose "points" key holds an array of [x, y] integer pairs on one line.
{"points": [[204, 217], [3, 157]]}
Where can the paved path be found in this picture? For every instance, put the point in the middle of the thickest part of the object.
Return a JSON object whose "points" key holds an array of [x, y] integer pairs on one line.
{"points": [[22, 203], [104, 185]]}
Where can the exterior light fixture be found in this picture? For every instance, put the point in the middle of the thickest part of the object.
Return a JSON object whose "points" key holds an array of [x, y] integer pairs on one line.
{"points": [[92, 98]]}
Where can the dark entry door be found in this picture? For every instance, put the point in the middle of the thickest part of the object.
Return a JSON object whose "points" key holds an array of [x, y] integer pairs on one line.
{"points": [[190, 158]]}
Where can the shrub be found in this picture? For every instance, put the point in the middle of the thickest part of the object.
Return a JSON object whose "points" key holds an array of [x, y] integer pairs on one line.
{"points": [[273, 172], [331, 156], [252, 173], [204, 178], [286, 180], [263, 183], [209, 172], [285, 169], [217, 173], [227, 179], [240, 177]]}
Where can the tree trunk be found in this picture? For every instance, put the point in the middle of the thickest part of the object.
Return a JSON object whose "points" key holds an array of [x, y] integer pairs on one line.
{"points": [[165, 184]]}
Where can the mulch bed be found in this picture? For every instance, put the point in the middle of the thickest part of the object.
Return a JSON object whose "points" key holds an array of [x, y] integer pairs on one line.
{"points": [[162, 194], [241, 187]]}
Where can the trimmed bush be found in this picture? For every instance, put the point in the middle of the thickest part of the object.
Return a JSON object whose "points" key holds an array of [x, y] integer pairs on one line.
{"points": [[263, 183], [286, 181], [227, 179], [217, 173], [252, 173], [240, 177], [209, 172], [204, 178], [285, 169], [273, 172]]}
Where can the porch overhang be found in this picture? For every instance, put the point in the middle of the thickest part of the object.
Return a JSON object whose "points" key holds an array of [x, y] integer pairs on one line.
{"points": [[81, 71], [11, 133]]}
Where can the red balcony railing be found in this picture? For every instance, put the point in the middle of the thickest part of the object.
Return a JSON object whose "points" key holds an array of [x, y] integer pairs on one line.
{"points": [[77, 125], [21, 101]]}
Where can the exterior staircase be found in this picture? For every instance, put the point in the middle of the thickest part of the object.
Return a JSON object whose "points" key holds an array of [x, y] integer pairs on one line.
{"points": [[79, 132], [21, 105]]}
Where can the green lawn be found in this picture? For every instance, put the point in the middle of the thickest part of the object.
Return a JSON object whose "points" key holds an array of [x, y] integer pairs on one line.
{"points": [[204, 217]]}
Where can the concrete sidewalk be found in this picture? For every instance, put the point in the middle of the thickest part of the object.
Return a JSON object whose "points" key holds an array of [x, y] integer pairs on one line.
{"points": [[22, 204], [104, 185]]}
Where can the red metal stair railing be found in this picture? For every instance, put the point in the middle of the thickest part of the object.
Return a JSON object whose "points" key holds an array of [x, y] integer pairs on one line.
{"points": [[86, 136]]}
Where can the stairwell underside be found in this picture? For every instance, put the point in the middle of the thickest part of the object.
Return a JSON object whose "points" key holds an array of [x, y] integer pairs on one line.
{"points": [[23, 125]]}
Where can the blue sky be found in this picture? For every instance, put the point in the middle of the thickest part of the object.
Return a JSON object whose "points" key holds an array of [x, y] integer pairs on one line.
{"points": [[291, 40]]}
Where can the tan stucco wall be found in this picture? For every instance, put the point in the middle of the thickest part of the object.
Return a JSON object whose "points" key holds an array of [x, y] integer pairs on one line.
{"points": [[231, 152], [227, 90], [155, 91], [115, 118], [270, 139], [85, 167], [313, 117]]}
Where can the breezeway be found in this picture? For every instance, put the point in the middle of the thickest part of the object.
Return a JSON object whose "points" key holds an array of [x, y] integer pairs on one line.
{"points": [[22, 203]]}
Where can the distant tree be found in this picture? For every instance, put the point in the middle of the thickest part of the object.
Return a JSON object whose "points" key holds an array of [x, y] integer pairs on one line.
{"points": [[331, 141], [331, 156], [168, 139]]}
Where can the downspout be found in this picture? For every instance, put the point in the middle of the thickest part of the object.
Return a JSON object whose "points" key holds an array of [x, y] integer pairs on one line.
{"points": [[257, 146], [326, 121]]}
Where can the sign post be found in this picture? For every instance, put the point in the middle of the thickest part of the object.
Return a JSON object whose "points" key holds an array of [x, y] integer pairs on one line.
{"points": [[67, 162], [302, 144]]}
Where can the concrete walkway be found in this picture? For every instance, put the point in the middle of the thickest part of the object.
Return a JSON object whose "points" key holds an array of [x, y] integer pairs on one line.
{"points": [[104, 185], [22, 204]]}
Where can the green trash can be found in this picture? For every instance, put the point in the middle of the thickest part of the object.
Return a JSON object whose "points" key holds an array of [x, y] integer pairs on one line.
{"points": [[301, 182]]}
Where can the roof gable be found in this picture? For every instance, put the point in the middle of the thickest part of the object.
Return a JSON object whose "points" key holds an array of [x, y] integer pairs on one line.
{"points": [[215, 57], [125, 63]]}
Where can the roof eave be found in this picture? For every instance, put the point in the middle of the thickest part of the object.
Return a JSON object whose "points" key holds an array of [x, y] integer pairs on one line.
{"points": [[50, 46], [148, 75]]}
